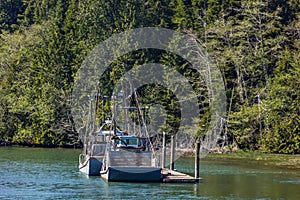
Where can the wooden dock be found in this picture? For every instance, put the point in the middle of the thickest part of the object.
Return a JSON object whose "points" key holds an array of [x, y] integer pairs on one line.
{"points": [[170, 176]]}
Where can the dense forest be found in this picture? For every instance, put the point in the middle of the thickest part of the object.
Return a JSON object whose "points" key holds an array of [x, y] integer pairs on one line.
{"points": [[254, 43]]}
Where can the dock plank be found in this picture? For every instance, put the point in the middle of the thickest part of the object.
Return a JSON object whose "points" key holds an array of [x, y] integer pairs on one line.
{"points": [[170, 176]]}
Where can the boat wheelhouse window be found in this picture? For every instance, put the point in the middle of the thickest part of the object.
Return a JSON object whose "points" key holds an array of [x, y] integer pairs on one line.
{"points": [[133, 142]]}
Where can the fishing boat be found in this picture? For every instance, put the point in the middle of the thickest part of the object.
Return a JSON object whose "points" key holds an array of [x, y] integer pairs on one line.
{"points": [[130, 156], [94, 142], [90, 161], [128, 159], [126, 155]]}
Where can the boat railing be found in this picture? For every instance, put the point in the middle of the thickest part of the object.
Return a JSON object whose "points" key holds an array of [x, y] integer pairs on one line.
{"points": [[155, 160], [106, 159], [81, 158]]}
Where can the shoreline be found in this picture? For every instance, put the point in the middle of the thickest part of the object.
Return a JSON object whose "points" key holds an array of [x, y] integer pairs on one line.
{"points": [[66, 146], [290, 161]]}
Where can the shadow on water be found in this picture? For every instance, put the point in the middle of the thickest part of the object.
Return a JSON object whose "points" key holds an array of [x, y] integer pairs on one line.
{"points": [[35, 173]]}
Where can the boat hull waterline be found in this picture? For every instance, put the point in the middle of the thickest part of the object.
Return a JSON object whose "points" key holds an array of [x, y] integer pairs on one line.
{"points": [[132, 174], [91, 166]]}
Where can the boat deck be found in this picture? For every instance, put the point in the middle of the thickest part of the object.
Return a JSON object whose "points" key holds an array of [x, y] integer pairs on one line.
{"points": [[170, 176]]}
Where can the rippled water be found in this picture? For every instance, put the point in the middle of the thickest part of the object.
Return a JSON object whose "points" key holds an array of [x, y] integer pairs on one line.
{"points": [[34, 173]]}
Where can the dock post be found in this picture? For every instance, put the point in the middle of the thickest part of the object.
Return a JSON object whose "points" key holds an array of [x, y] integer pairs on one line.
{"points": [[163, 158], [197, 160], [172, 153]]}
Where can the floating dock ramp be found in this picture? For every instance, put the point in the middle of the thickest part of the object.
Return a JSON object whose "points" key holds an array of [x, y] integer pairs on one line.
{"points": [[171, 176]]}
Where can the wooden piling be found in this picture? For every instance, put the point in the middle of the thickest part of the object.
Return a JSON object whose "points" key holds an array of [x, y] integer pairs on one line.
{"points": [[172, 153], [163, 158], [197, 161]]}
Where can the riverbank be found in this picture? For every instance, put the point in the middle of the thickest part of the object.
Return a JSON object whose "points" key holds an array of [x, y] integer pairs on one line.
{"points": [[291, 161], [280, 160], [66, 146]]}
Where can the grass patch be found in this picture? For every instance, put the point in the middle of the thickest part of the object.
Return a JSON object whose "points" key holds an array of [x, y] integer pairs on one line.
{"points": [[280, 160]]}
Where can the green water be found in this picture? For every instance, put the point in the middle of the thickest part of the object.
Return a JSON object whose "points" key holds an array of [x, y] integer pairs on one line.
{"points": [[34, 173]]}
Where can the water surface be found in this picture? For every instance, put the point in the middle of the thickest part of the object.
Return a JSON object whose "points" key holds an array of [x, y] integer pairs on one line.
{"points": [[36, 173]]}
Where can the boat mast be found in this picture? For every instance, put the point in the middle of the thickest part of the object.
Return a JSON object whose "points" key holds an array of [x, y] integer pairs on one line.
{"points": [[139, 112], [90, 115], [126, 120], [114, 113], [97, 101]]}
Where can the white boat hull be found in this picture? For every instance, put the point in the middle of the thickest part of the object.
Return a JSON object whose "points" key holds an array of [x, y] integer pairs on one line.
{"points": [[91, 166]]}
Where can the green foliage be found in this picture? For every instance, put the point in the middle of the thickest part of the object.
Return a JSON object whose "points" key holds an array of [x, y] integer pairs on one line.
{"points": [[282, 135], [255, 44], [244, 126], [9, 11]]}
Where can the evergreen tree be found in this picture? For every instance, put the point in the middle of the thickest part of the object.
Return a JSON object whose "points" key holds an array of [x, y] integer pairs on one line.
{"points": [[9, 11], [254, 44]]}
